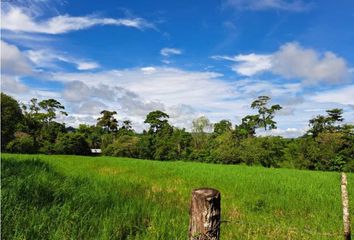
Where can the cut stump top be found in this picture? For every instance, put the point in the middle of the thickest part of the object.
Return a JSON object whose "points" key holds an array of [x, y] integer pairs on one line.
{"points": [[206, 192]]}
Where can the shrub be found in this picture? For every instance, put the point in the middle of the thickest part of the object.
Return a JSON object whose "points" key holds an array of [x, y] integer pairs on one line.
{"points": [[23, 143], [47, 148], [124, 146], [224, 149], [266, 151], [72, 143]]}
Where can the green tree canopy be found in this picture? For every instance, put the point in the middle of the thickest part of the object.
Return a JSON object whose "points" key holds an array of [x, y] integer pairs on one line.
{"points": [[327, 123], [39, 119], [156, 119], [222, 127], [248, 126], [10, 116], [126, 128], [266, 114], [51, 106], [108, 121]]}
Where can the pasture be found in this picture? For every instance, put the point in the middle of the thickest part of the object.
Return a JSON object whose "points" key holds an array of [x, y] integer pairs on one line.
{"points": [[76, 197]]}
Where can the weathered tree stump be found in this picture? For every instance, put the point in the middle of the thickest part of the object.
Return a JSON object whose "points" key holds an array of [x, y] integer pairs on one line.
{"points": [[345, 204], [204, 222]]}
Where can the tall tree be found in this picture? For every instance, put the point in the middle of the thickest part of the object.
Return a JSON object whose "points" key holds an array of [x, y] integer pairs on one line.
{"points": [[108, 121], [317, 125], [327, 123], [39, 119], [10, 116], [248, 126], [156, 141], [266, 114], [126, 128], [50, 107], [156, 119], [32, 120], [335, 115]]}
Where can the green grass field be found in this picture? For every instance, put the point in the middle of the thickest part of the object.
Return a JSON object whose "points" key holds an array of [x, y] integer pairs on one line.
{"points": [[76, 197]]}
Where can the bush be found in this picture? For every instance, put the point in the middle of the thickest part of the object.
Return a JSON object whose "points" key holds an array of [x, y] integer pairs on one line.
{"points": [[47, 148], [224, 149], [266, 151], [72, 143], [124, 146], [23, 143], [327, 151]]}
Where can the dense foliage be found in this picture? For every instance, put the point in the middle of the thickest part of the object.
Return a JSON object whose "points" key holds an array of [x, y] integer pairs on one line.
{"points": [[10, 117], [328, 145]]}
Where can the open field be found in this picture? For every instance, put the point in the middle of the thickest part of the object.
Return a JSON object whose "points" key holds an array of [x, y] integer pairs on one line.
{"points": [[75, 197]]}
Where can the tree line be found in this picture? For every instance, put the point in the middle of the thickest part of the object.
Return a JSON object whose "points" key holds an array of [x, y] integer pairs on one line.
{"points": [[327, 145]]}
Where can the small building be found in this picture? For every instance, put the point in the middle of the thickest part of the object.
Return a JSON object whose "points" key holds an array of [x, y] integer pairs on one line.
{"points": [[96, 151]]}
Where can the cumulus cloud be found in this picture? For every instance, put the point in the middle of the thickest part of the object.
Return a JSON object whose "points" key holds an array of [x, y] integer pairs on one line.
{"points": [[255, 5], [292, 61], [166, 52], [89, 99], [182, 94], [13, 61], [77, 91], [16, 19], [91, 107], [12, 84], [164, 84]]}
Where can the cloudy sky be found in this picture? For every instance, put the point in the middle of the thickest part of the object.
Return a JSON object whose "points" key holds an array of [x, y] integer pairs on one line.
{"points": [[187, 58]]}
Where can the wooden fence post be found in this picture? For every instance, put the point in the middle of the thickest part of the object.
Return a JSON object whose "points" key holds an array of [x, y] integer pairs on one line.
{"points": [[204, 222], [345, 204]]}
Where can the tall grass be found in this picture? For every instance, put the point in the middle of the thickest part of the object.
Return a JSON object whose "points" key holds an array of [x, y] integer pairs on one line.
{"points": [[72, 197]]}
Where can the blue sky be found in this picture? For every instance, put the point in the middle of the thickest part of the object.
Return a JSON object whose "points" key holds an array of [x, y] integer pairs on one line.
{"points": [[187, 58]]}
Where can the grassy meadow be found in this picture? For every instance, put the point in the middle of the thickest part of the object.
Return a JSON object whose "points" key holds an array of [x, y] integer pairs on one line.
{"points": [[76, 197]]}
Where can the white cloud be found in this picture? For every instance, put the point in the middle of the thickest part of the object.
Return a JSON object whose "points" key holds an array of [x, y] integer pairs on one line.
{"points": [[78, 91], [343, 95], [165, 61], [46, 58], [168, 85], [287, 132], [148, 70], [91, 107], [166, 52], [294, 5], [87, 65], [12, 84], [18, 20], [13, 61], [248, 64], [184, 95], [292, 61]]}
